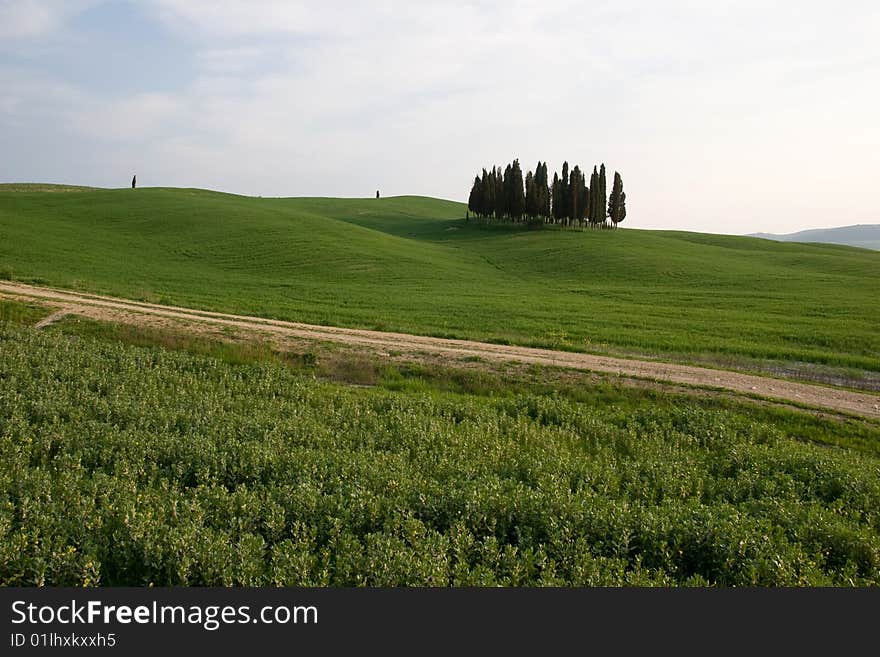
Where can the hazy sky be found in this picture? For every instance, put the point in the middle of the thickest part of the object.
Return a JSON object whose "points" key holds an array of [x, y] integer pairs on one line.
{"points": [[721, 116]]}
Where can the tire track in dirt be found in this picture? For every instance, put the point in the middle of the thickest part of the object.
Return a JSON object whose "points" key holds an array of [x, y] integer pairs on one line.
{"points": [[136, 312]]}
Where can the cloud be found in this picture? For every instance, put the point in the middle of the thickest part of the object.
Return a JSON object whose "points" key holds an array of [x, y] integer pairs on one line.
{"points": [[28, 97], [30, 19], [232, 61], [133, 119], [761, 106], [238, 18]]}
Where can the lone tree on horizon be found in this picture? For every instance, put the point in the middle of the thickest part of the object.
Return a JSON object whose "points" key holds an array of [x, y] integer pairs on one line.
{"points": [[617, 201], [133, 181]]}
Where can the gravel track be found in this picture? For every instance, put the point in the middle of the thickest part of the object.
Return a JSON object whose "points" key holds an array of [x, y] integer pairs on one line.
{"points": [[140, 313]]}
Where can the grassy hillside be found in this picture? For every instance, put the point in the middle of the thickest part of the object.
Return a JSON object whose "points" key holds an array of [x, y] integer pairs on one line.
{"points": [[126, 465], [414, 264]]}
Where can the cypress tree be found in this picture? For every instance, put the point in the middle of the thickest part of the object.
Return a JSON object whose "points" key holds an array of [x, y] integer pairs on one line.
{"points": [[581, 198], [497, 191], [488, 193], [474, 198], [585, 217], [507, 192], [554, 193], [593, 214], [504, 196], [617, 201], [531, 196], [517, 199], [602, 201], [564, 209], [500, 210], [544, 191], [578, 195], [539, 190]]}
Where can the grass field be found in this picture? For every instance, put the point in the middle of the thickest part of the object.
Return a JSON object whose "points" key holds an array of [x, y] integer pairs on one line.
{"points": [[414, 264], [125, 465], [136, 456]]}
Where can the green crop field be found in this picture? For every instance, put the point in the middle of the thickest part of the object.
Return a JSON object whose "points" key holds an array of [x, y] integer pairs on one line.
{"points": [[414, 264], [124, 465]]}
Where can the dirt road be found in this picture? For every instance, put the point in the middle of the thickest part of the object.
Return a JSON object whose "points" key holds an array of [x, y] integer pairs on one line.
{"points": [[135, 312]]}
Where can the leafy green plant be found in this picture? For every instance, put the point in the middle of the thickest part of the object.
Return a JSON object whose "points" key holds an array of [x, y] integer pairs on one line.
{"points": [[127, 465]]}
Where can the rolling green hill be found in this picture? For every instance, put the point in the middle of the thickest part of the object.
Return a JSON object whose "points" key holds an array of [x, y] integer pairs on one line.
{"points": [[415, 264]]}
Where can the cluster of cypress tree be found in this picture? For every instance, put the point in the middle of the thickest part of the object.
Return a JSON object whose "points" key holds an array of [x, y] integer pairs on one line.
{"points": [[568, 201]]}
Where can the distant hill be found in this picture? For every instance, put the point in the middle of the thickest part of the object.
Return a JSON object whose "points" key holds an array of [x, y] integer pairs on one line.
{"points": [[866, 236]]}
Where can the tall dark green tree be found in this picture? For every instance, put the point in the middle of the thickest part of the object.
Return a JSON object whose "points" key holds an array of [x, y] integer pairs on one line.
{"points": [[602, 201], [539, 201], [488, 185], [503, 209], [517, 202], [500, 201], [617, 201], [543, 185], [564, 200], [555, 192], [585, 217], [531, 196], [592, 212], [577, 194], [474, 198]]}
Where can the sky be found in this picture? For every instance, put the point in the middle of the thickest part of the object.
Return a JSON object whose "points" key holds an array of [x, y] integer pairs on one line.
{"points": [[724, 116]]}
